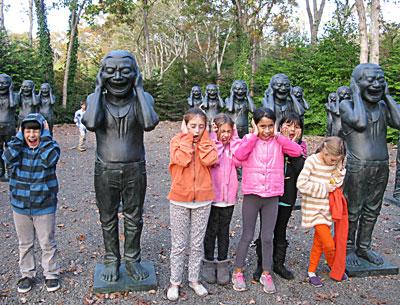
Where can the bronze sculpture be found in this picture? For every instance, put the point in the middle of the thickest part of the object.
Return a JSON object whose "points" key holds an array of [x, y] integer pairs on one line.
{"points": [[196, 98], [279, 97], [27, 100], [212, 103], [239, 104], [119, 111], [396, 191], [8, 105], [331, 109], [46, 104], [364, 126]]}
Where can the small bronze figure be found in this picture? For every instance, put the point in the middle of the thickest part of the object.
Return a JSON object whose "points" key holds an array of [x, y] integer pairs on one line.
{"points": [[46, 104], [27, 100], [196, 98], [212, 103]]}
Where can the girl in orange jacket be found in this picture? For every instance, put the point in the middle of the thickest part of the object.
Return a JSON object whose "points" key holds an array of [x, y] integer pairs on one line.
{"points": [[192, 153]]}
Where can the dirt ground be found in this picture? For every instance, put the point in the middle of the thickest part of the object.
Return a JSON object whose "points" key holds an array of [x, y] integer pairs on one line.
{"points": [[80, 242]]}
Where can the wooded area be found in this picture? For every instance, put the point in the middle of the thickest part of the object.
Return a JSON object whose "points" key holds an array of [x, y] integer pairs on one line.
{"points": [[179, 44]]}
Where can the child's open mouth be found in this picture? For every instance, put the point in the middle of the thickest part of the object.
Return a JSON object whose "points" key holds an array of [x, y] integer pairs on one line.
{"points": [[33, 142], [196, 138]]}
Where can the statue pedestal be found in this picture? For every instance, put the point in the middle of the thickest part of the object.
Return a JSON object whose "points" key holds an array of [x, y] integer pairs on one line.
{"points": [[125, 282], [367, 269], [390, 199]]}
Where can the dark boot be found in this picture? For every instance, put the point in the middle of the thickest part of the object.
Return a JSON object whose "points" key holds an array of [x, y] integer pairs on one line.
{"points": [[364, 236], [279, 256], [223, 276], [209, 271], [257, 273], [2, 169]]}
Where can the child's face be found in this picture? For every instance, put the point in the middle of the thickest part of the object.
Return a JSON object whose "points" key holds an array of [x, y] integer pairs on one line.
{"points": [[330, 159], [224, 133], [32, 137], [196, 127], [266, 128], [291, 130], [83, 107]]}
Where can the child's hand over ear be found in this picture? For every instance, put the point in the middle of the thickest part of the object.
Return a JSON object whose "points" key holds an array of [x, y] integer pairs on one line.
{"points": [[254, 127], [184, 127]]}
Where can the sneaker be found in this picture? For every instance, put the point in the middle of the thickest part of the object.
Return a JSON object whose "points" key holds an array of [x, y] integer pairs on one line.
{"points": [[173, 293], [315, 281], [199, 289], [24, 284], [238, 282], [345, 277], [52, 284], [268, 283]]}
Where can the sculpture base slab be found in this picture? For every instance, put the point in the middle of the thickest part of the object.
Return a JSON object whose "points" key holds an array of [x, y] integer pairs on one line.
{"points": [[390, 199], [367, 269], [125, 282]]}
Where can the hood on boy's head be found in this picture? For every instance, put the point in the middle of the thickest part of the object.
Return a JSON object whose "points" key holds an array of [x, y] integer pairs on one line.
{"points": [[33, 119]]}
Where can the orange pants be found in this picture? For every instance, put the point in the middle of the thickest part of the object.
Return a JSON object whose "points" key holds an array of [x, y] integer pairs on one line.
{"points": [[323, 242]]}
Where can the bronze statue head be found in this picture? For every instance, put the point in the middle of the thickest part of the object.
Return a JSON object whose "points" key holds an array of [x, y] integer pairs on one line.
{"points": [[239, 90], [332, 98], [212, 92], [119, 72], [280, 85], [343, 93], [370, 80], [196, 93], [297, 92], [27, 88], [45, 90], [5, 84]]}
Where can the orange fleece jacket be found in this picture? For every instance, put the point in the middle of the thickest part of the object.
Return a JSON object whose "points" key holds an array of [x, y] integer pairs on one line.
{"points": [[190, 168]]}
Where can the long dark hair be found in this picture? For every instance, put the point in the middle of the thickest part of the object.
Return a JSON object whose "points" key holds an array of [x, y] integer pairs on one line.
{"points": [[263, 112], [291, 117]]}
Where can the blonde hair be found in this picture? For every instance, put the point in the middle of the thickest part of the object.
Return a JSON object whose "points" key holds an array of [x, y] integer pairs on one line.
{"points": [[333, 145]]}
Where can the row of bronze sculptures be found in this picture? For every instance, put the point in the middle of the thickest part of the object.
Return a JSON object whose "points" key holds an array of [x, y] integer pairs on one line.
{"points": [[280, 97], [359, 114], [24, 102]]}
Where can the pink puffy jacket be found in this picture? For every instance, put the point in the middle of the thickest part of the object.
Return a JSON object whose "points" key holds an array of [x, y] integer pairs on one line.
{"points": [[263, 162], [223, 173]]}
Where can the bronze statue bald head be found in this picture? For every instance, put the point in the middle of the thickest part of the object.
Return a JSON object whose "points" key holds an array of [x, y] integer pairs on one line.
{"points": [[370, 80]]}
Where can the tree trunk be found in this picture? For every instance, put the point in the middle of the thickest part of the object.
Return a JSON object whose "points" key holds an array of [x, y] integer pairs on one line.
{"points": [[30, 12], [147, 65], [374, 54], [362, 27], [2, 15], [314, 18], [74, 24]]}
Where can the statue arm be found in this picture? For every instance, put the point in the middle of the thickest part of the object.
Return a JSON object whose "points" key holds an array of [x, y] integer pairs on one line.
{"points": [[306, 105], [353, 114], [393, 111], [297, 106], [207, 150], [268, 100], [94, 114], [181, 149], [146, 115]]}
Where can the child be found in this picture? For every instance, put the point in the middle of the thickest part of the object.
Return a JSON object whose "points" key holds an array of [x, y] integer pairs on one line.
{"points": [[82, 129], [262, 155], [192, 153], [322, 174], [290, 126], [224, 178], [32, 156]]}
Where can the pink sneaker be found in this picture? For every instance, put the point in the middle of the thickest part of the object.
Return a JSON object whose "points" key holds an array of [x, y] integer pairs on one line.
{"points": [[238, 281], [268, 283]]}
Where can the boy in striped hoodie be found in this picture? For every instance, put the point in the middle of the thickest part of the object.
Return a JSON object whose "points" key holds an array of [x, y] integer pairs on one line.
{"points": [[31, 157]]}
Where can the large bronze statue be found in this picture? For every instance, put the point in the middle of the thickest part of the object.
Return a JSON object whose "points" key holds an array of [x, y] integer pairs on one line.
{"points": [[279, 97], [119, 111], [46, 104], [396, 191], [196, 98], [8, 104], [27, 100], [212, 103], [364, 125], [239, 104]]}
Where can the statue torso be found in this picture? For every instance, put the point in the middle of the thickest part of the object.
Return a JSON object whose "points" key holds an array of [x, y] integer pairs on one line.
{"points": [[120, 138], [7, 116], [26, 106], [46, 108]]}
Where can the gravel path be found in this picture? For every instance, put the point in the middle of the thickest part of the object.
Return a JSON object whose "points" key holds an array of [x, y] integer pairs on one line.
{"points": [[80, 242]]}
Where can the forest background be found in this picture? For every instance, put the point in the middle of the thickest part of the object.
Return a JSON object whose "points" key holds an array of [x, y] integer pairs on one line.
{"points": [[179, 44]]}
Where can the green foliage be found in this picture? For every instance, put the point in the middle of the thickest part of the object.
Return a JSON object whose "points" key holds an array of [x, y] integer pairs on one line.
{"points": [[45, 51]]}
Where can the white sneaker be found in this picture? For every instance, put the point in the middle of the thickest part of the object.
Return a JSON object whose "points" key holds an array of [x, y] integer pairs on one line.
{"points": [[199, 289], [173, 293]]}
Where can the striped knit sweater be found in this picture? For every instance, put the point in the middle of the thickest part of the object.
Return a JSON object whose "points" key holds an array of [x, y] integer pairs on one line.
{"points": [[312, 184]]}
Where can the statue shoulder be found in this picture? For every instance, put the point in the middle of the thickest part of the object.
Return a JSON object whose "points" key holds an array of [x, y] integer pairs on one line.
{"points": [[91, 98]]}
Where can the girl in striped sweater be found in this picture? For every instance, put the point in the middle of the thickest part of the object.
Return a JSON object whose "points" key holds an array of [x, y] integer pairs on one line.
{"points": [[322, 173]]}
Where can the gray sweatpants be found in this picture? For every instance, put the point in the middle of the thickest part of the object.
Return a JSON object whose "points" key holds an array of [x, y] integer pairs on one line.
{"points": [[185, 222], [268, 208], [42, 226]]}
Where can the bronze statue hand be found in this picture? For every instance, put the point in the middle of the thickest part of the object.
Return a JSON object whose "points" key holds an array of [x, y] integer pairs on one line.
{"points": [[99, 80], [354, 87], [139, 81]]}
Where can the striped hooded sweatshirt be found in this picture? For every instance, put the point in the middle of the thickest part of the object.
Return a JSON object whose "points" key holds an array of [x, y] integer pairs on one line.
{"points": [[312, 184], [32, 172]]}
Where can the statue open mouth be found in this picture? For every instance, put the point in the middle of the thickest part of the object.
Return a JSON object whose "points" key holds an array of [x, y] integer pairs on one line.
{"points": [[118, 88], [375, 94]]}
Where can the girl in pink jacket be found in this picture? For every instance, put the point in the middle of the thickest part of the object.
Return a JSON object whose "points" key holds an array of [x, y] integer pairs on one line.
{"points": [[262, 155], [225, 183]]}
